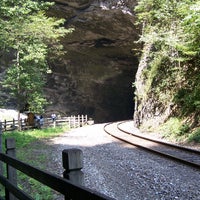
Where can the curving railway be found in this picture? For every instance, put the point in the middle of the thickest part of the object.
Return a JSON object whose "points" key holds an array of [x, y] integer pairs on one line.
{"points": [[184, 155]]}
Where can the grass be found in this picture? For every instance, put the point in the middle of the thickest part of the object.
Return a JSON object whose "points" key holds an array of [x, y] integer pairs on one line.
{"points": [[31, 148], [24, 138], [195, 136], [177, 130], [171, 128]]}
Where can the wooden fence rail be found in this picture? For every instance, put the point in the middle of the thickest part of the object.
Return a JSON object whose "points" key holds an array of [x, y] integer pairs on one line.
{"points": [[71, 121]]}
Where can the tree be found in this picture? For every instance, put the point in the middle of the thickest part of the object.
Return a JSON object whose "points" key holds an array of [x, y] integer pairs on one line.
{"points": [[27, 33]]}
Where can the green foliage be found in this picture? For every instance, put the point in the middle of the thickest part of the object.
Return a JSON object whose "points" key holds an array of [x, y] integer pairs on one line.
{"points": [[31, 36], [35, 189], [195, 136], [160, 24], [185, 128], [190, 11], [171, 127], [174, 128], [152, 72], [171, 28], [188, 97]]}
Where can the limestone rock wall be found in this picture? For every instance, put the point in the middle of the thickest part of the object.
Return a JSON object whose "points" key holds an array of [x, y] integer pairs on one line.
{"points": [[95, 76]]}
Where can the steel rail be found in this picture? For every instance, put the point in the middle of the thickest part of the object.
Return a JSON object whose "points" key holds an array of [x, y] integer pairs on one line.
{"points": [[156, 140], [124, 135]]}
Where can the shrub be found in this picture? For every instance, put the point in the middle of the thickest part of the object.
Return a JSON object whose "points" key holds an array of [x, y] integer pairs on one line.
{"points": [[184, 129], [174, 128], [171, 127], [195, 136]]}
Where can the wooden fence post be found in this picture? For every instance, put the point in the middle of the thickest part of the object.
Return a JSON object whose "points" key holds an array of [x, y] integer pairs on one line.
{"points": [[74, 121], [68, 121], [54, 123], [1, 148], [72, 160], [78, 121], [5, 125], [13, 126], [82, 118], [11, 172], [21, 122]]}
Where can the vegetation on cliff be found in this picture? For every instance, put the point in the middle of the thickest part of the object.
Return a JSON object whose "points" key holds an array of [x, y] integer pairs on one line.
{"points": [[169, 65]]}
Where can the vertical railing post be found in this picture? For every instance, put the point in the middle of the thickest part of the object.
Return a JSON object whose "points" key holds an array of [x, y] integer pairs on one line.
{"points": [[68, 120], [71, 121], [82, 120], [13, 125], [74, 121], [5, 125], [54, 123], [78, 121], [21, 123], [72, 160], [11, 172], [1, 148]]}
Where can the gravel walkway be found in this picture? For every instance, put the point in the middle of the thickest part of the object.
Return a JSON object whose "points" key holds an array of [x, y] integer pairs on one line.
{"points": [[124, 172]]}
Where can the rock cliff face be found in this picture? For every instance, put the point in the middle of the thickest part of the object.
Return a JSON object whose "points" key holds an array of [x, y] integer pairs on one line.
{"points": [[149, 111], [95, 76]]}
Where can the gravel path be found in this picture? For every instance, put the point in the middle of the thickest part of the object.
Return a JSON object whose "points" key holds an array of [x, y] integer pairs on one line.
{"points": [[125, 172]]}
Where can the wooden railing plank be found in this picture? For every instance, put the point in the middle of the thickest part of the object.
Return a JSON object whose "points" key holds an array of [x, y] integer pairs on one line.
{"points": [[12, 188], [70, 190]]}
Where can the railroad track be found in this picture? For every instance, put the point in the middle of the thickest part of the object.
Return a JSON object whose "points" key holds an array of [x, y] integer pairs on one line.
{"points": [[180, 154]]}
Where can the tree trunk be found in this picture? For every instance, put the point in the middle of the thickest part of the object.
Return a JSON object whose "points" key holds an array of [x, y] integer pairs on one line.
{"points": [[18, 88]]}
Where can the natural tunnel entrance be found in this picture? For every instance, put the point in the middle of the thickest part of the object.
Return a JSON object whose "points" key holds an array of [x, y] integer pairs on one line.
{"points": [[95, 77]]}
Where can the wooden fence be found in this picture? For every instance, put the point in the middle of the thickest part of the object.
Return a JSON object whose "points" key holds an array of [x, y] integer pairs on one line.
{"points": [[71, 121], [70, 190]]}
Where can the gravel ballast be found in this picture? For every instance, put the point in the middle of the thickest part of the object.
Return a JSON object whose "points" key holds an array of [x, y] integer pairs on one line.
{"points": [[124, 172]]}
